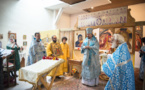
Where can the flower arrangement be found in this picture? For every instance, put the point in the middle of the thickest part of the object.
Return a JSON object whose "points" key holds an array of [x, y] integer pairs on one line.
{"points": [[50, 58], [78, 48], [74, 70]]}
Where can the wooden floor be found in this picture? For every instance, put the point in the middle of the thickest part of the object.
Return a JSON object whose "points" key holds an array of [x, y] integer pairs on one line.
{"points": [[138, 82]]}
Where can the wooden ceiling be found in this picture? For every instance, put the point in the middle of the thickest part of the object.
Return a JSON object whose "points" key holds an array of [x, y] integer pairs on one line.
{"points": [[115, 4], [72, 1]]}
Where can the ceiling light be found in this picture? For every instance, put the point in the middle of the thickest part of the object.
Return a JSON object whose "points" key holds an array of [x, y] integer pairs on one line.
{"points": [[92, 7], [70, 5], [109, 1]]}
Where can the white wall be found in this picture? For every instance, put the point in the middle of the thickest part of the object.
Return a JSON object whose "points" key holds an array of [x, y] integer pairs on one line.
{"points": [[64, 21], [138, 11], [73, 19], [23, 17]]}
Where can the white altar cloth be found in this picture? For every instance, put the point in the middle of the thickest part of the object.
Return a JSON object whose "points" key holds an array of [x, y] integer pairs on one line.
{"points": [[31, 73]]}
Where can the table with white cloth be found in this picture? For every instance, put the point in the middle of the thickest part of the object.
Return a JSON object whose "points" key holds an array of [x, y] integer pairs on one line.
{"points": [[38, 71]]}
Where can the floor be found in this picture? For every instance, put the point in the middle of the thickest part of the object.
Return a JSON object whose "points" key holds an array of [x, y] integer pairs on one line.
{"points": [[138, 82], [26, 86]]}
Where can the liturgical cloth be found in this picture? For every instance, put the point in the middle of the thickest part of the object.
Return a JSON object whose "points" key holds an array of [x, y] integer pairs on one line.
{"points": [[31, 73]]}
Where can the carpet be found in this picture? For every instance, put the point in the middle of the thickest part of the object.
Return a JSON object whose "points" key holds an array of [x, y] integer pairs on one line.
{"points": [[75, 84]]}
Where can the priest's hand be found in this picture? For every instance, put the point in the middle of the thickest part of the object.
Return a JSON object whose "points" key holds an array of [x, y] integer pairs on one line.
{"points": [[110, 51], [52, 55], [87, 47], [3, 57], [142, 51]]}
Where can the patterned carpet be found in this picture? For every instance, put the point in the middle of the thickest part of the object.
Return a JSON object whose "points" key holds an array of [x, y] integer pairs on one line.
{"points": [[75, 84]]}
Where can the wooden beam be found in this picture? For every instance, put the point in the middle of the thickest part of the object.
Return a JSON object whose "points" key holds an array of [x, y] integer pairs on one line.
{"points": [[115, 4], [72, 1], [140, 23], [49, 88]]}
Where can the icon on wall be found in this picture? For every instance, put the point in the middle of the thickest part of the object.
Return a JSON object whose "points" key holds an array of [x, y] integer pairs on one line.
{"points": [[127, 33], [24, 43], [24, 37], [105, 38], [1, 36], [12, 35], [79, 37]]}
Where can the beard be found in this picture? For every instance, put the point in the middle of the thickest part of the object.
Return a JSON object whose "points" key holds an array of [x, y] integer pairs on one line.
{"points": [[54, 41], [114, 44]]}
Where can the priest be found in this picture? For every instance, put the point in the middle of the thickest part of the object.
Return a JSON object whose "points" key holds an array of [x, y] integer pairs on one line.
{"points": [[91, 64], [65, 56], [119, 66], [54, 50], [36, 50]]}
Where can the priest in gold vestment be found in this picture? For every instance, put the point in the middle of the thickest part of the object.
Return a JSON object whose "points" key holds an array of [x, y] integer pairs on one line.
{"points": [[65, 56], [54, 49]]}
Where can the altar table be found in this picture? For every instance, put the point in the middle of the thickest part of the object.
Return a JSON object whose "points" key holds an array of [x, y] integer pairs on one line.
{"points": [[38, 72]]}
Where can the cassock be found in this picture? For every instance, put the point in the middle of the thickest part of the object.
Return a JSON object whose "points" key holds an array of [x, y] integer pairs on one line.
{"points": [[55, 49], [65, 50], [142, 63], [91, 64], [120, 70], [36, 51]]}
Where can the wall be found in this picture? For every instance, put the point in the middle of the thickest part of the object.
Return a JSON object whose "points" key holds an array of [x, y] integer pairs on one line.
{"points": [[24, 17], [137, 11], [64, 21], [73, 19]]}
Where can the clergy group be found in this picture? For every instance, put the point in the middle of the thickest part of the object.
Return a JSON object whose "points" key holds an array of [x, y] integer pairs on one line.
{"points": [[118, 67]]}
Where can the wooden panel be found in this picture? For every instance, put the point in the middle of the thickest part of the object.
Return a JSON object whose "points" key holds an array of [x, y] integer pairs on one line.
{"points": [[115, 4], [72, 1], [130, 22], [78, 62]]}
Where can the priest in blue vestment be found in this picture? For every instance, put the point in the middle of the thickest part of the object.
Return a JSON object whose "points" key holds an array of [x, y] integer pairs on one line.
{"points": [[119, 67], [91, 64], [36, 50]]}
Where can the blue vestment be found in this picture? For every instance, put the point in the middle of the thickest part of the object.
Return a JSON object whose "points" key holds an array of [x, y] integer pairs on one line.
{"points": [[120, 70], [142, 63], [36, 52], [91, 64]]}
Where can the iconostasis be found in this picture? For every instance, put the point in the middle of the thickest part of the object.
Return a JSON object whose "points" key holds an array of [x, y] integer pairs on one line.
{"points": [[102, 32], [115, 21]]}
